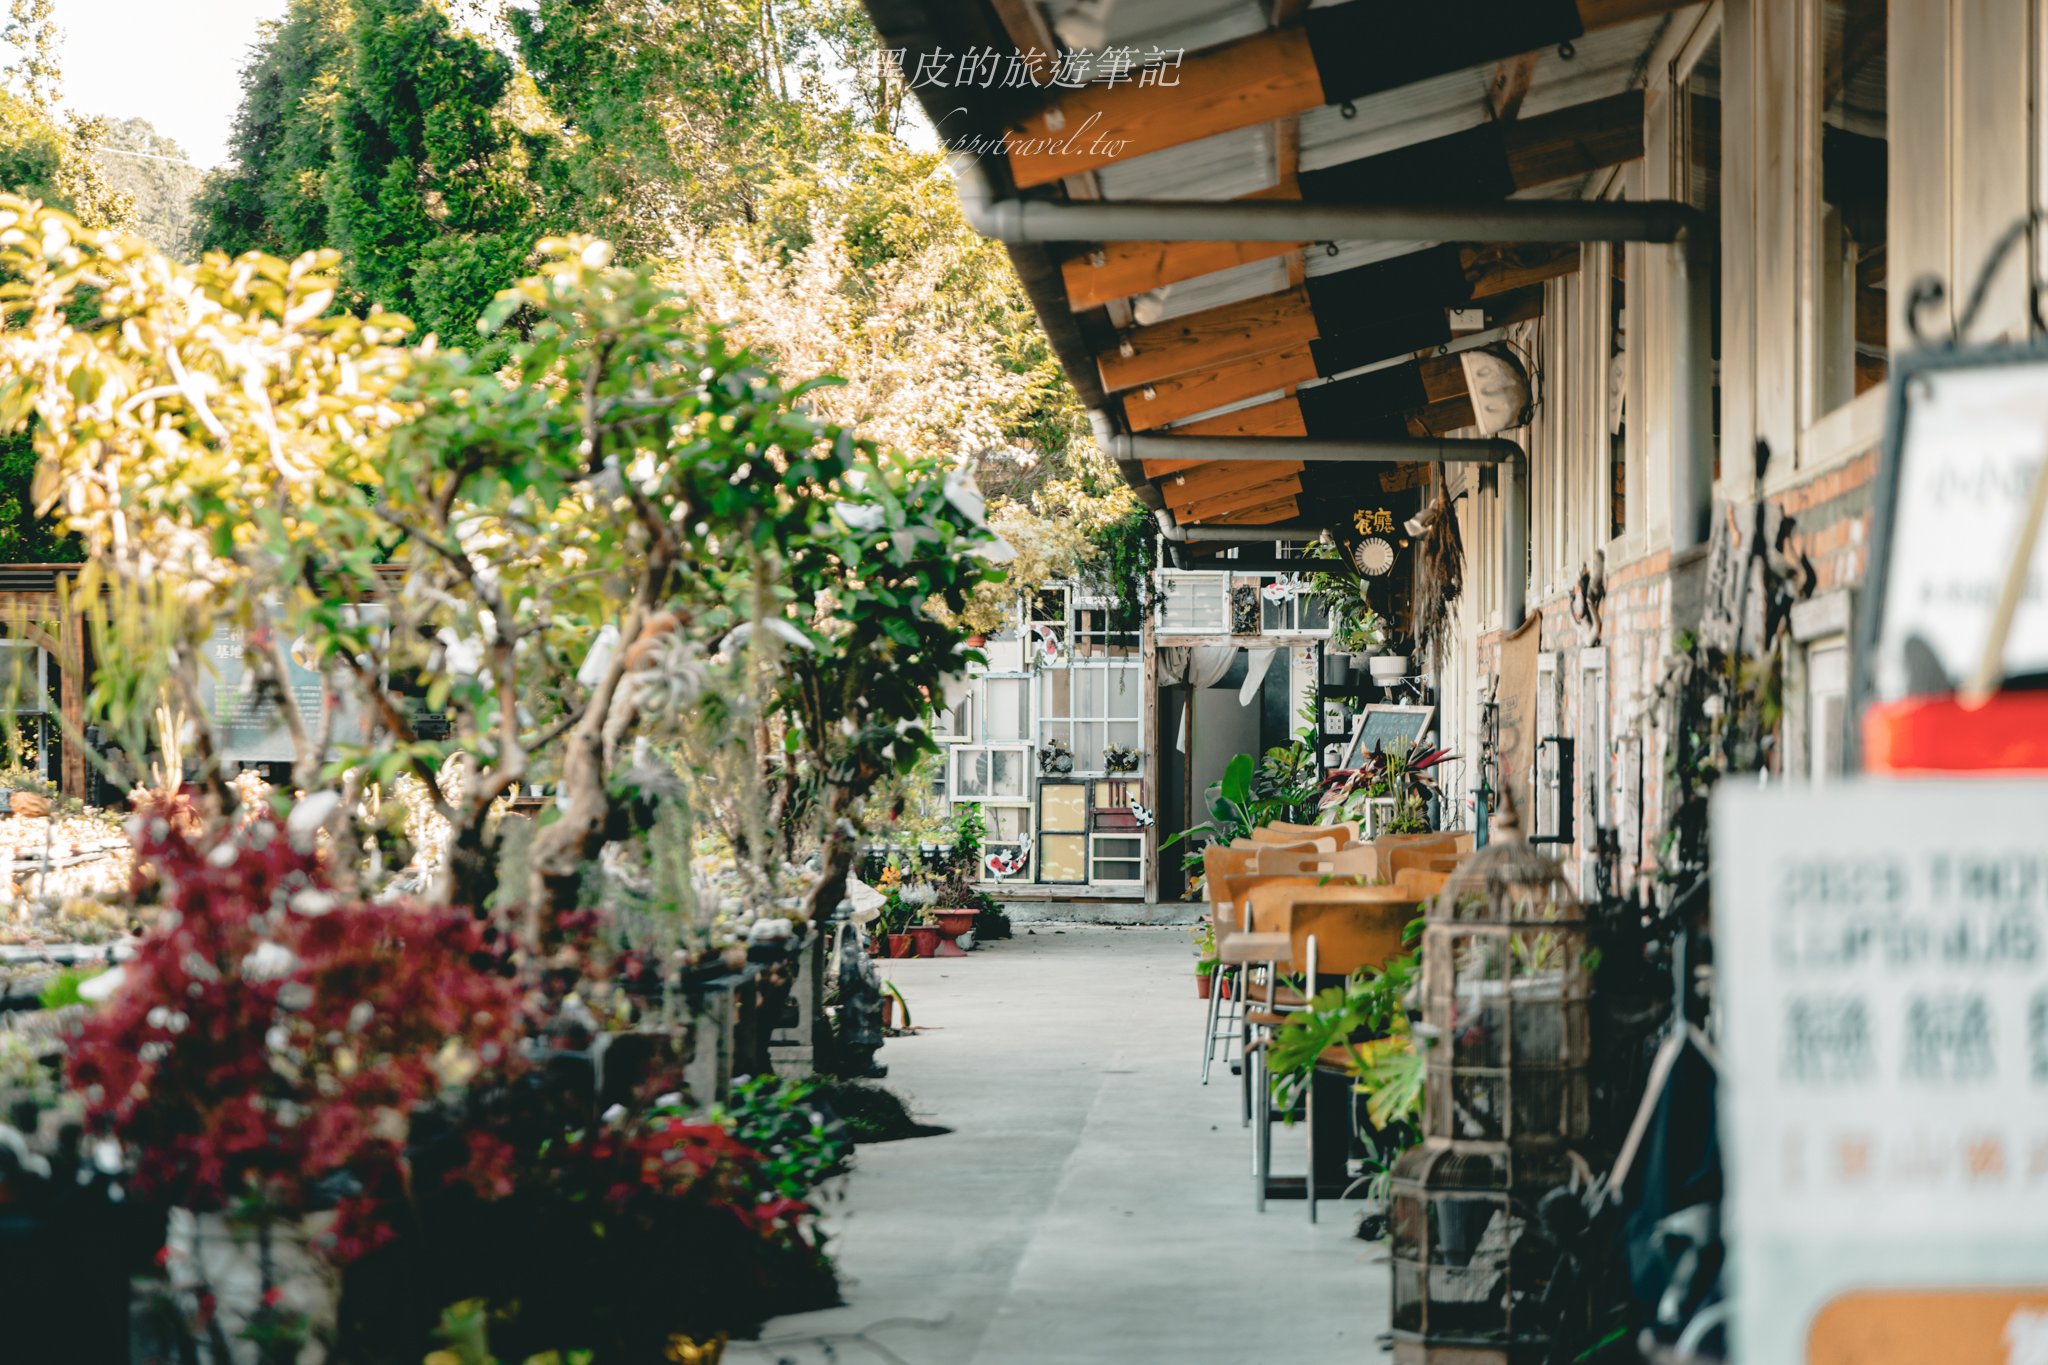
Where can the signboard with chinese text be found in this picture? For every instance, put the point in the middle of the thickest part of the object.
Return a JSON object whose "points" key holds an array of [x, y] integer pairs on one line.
{"points": [[1967, 434], [246, 722], [1882, 973]]}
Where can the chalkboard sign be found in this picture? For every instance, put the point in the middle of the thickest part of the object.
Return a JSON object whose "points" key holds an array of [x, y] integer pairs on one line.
{"points": [[1387, 728]]}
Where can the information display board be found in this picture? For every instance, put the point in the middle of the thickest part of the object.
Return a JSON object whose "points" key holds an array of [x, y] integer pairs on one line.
{"points": [[1882, 978], [247, 722]]}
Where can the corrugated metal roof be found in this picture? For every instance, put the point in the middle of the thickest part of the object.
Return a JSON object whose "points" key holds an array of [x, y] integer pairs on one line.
{"points": [[1605, 62], [1227, 166], [1091, 25]]}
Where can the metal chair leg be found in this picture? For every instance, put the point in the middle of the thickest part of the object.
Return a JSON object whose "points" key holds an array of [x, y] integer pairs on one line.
{"points": [[1262, 1140], [1309, 1104], [1244, 1059]]}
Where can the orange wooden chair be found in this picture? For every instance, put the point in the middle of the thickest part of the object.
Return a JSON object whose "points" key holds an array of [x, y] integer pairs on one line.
{"points": [[1327, 928]]}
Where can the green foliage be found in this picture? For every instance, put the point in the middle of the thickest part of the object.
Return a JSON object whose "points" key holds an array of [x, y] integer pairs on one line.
{"points": [[1355, 628], [969, 829], [64, 990], [273, 197], [1386, 1063], [1281, 785], [800, 1142], [1126, 552]]}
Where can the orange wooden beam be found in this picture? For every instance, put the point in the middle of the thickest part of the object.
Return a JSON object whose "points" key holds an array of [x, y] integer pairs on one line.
{"points": [[1237, 500], [1212, 337], [1211, 477], [1259, 79], [1237, 85], [1205, 390], [1281, 417]]}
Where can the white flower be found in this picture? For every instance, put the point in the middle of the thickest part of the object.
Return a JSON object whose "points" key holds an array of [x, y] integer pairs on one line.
{"points": [[598, 662], [862, 516], [268, 962]]}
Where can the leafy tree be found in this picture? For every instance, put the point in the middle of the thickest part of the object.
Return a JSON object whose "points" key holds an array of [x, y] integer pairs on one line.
{"points": [[159, 180], [274, 198], [51, 158], [382, 129], [628, 530]]}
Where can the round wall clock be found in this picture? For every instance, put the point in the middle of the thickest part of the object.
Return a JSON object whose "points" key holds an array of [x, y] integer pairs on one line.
{"points": [[1373, 556]]}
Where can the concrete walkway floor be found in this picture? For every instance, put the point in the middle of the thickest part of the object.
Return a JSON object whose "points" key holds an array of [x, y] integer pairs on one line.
{"points": [[1093, 1202]]}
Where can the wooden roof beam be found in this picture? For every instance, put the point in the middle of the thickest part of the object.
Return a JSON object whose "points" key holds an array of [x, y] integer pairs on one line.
{"points": [[1237, 499], [1255, 345], [1271, 75], [1521, 156]]}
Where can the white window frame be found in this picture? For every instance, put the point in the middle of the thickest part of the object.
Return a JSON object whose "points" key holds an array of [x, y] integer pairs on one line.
{"points": [[1133, 669], [1096, 858]]}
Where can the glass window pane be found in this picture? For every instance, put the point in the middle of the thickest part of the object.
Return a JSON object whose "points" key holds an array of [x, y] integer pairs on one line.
{"points": [[1063, 807], [1063, 858], [1006, 773], [1009, 709], [1124, 685], [970, 773], [1088, 741], [1120, 848], [1061, 730], [1124, 732], [1006, 824], [1088, 691], [1850, 273], [1055, 692]]}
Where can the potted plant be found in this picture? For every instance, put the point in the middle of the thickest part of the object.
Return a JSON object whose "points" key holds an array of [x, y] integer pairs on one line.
{"points": [[1205, 958], [924, 936], [1118, 758], [28, 792], [258, 1057], [1388, 669]]}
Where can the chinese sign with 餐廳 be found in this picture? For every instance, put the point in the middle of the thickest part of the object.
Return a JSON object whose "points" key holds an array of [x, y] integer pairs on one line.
{"points": [[1882, 973]]}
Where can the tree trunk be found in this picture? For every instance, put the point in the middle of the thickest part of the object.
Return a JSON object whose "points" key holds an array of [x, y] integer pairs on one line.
{"points": [[469, 870]]}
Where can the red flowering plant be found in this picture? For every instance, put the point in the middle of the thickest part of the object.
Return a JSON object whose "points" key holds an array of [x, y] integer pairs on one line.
{"points": [[616, 1235], [269, 1041]]}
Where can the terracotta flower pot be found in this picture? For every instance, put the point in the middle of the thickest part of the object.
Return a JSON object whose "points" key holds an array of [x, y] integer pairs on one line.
{"points": [[1203, 984], [28, 803], [953, 924], [899, 946], [925, 938], [888, 1011]]}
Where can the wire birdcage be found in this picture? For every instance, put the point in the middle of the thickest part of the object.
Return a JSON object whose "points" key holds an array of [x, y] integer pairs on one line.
{"points": [[1505, 987]]}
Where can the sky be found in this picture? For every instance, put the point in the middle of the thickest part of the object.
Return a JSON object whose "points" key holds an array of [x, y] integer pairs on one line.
{"points": [[177, 63]]}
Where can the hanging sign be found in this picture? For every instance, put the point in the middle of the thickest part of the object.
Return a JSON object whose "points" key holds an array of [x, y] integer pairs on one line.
{"points": [[1881, 966], [1967, 435]]}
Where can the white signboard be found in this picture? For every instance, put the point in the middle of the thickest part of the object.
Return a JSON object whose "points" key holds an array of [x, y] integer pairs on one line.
{"points": [[1882, 976], [247, 723], [1969, 439]]}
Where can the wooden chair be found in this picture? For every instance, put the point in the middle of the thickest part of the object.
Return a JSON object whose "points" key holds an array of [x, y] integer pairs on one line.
{"points": [[1422, 884], [1327, 928], [1223, 867], [1280, 831], [1421, 858], [1219, 864]]}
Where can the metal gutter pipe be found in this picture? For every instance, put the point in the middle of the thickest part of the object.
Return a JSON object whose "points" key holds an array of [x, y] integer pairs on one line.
{"points": [[1279, 530], [1434, 450], [1278, 220]]}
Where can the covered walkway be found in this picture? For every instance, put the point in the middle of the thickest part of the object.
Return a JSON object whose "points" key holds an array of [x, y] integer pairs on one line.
{"points": [[1093, 1201]]}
